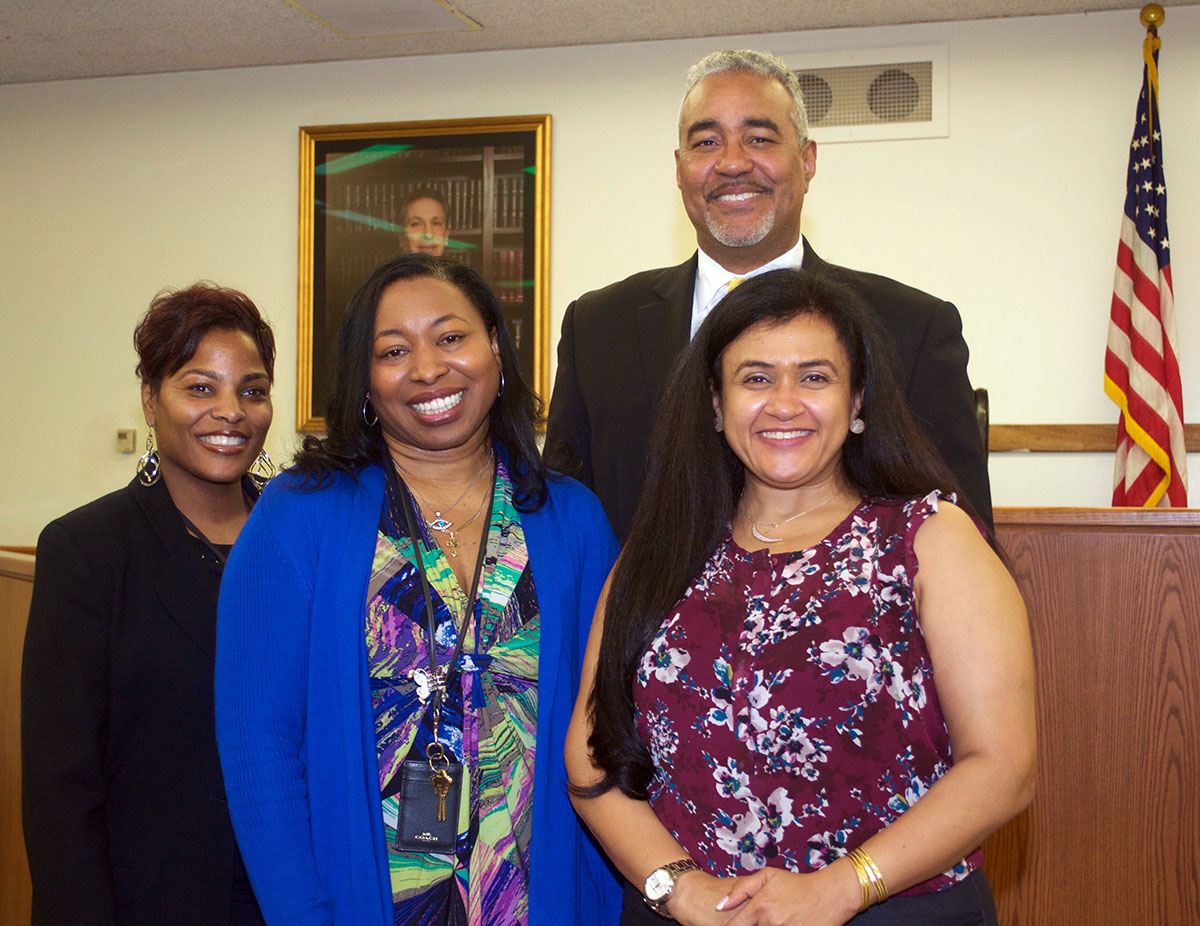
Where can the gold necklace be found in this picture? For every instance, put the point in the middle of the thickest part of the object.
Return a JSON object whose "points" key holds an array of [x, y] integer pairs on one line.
{"points": [[758, 535]]}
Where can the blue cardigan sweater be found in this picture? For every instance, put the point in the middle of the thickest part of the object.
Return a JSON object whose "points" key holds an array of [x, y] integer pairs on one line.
{"points": [[294, 722]]}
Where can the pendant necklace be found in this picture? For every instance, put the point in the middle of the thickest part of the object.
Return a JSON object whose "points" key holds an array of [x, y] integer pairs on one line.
{"points": [[440, 523], [759, 535], [451, 534], [443, 525]]}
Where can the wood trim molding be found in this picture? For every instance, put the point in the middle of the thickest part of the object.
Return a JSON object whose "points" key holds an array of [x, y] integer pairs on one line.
{"points": [[16, 565], [1099, 520], [1068, 438]]}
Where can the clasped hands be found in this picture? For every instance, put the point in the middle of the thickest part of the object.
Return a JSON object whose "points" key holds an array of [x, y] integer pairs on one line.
{"points": [[770, 897]]}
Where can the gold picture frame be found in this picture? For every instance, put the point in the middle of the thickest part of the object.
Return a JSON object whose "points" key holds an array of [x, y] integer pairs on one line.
{"points": [[492, 178]]}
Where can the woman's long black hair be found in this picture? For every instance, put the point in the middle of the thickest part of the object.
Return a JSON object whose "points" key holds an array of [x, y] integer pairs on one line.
{"points": [[350, 443], [694, 482]]}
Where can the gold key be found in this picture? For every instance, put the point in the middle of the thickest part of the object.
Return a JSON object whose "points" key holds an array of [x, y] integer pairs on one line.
{"points": [[440, 780]]}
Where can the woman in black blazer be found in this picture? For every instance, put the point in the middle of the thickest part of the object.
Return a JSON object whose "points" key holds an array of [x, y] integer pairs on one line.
{"points": [[123, 803]]}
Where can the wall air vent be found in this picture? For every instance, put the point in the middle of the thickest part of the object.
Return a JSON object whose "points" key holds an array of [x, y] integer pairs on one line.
{"points": [[884, 93]]}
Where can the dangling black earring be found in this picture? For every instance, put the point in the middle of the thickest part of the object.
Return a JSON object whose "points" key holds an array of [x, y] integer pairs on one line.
{"points": [[262, 469], [147, 468]]}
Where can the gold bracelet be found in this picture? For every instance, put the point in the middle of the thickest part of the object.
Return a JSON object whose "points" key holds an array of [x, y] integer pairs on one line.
{"points": [[881, 891], [869, 876], [863, 881]]}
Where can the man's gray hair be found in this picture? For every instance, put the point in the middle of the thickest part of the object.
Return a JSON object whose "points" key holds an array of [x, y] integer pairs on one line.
{"points": [[754, 62]]}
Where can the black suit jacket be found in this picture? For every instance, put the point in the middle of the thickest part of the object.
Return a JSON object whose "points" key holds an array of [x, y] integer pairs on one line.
{"points": [[123, 800], [618, 344]]}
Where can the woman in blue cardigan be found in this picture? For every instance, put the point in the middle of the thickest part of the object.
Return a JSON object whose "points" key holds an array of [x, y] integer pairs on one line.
{"points": [[400, 635]]}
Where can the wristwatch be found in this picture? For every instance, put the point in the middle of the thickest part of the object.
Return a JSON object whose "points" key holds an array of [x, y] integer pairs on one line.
{"points": [[660, 884]]}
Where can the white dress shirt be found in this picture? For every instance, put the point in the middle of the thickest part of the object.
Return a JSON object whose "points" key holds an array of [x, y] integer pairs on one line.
{"points": [[712, 280]]}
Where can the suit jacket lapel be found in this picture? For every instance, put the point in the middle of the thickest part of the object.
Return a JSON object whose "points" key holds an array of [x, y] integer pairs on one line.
{"points": [[811, 261], [665, 324], [185, 584]]}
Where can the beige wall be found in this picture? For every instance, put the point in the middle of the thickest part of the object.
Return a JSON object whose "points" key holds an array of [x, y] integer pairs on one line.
{"points": [[116, 187]]}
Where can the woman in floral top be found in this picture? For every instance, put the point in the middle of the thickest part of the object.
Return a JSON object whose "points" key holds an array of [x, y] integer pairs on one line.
{"points": [[812, 698]]}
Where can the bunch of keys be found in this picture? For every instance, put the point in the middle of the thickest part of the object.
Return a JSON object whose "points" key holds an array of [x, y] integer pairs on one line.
{"points": [[440, 779]]}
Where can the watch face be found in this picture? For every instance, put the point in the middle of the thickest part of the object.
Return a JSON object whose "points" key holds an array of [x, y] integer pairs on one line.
{"points": [[659, 884]]}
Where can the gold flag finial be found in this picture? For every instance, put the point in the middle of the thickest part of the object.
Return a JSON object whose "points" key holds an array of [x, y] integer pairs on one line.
{"points": [[1153, 16]]}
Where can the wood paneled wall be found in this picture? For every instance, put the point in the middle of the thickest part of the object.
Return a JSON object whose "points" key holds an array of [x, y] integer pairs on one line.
{"points": [[16, 586], [1113, 833]]}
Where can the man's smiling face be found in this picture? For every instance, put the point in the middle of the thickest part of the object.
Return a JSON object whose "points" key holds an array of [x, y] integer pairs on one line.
{"points": [[741, 169]]}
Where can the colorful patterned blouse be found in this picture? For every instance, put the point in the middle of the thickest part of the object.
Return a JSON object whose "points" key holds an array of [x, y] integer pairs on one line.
{"points": [[789, 702], [489, 717]]}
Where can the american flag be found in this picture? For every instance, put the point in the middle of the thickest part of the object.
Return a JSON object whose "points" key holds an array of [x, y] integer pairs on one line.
{"points": [[1141, 365]]}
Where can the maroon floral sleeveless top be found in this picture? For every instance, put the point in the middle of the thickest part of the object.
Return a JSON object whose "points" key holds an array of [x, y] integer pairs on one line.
{"points": [[788, 701]]}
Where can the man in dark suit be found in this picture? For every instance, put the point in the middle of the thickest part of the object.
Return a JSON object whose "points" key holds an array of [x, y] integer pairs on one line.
{"points": [[743, 165]]}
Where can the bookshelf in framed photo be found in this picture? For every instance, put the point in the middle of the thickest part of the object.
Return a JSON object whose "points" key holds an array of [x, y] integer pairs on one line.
{"points": [[475, 191]]}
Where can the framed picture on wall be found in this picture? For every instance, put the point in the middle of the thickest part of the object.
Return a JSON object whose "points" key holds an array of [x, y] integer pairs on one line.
{"points": [[476, 191]]}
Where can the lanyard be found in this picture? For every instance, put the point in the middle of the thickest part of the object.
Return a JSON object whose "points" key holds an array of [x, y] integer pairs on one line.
{"points": [[199, 534], [440, 678], [209, 545]]}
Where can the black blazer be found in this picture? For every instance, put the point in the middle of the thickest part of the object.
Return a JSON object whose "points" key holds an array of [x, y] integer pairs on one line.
{"points": [[123, 801], [618, 344]]}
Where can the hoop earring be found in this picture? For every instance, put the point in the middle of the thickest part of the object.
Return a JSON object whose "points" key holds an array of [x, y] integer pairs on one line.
{"points": [[262, 469], [374, 419], [147, 468], [500, 391], [857, 426]]}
